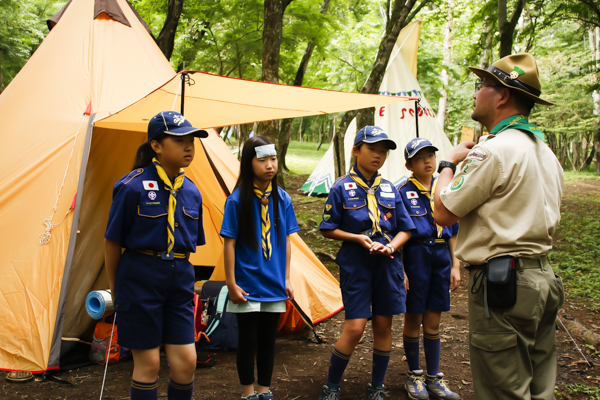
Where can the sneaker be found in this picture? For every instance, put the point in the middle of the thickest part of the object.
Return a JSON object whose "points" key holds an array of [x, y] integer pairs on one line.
{"points": [[438, 388], [266, 396], [252, 396], [376, 394], [415, 385], [328, 394]]}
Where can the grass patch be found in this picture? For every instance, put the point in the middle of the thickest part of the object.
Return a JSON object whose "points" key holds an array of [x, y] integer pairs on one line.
{"points": [[576, 250], [588, 391], [303, 157], [572, 176]]}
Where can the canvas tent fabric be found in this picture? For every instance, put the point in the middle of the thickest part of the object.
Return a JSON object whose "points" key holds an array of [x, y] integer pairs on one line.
{"points": [[57, 155], [397, 120]]}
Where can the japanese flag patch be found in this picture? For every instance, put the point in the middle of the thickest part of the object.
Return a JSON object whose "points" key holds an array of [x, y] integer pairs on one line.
{"points": [[412, 195], [150, 185], [349, 185]]}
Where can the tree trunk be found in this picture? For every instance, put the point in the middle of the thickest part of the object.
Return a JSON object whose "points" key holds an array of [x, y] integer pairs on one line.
{"points": [[244, 134], [506, 28], [597, 148], [484, 63], [402, 14], [285, 133], [441, 113], [166, 37]]}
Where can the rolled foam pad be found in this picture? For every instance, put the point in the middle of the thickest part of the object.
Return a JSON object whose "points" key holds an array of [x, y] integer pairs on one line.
{"points": [[99, 304]]}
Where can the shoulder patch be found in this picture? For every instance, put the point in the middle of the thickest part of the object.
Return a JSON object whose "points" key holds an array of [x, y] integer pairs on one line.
{"points": [[477, 153], [338, 181], [402, 184], [127, 178]]}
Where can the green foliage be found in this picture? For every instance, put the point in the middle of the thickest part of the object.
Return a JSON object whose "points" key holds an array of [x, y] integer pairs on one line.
{"points": [[589, 391], [576, 251], [303, 157], [22, 29]]}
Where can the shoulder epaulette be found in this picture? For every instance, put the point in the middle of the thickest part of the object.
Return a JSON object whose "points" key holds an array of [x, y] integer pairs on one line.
{"points": [[127, 178], [338, 180], [402, 184]]}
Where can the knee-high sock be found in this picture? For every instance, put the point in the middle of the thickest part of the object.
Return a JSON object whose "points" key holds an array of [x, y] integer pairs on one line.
{"points": [[337, 365], [381, 360], [144, 391], [177, 391], [432, 346], [411, 350]]}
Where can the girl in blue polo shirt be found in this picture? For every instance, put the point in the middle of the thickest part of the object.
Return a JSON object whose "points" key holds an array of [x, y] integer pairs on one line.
{"points": [[156, 216], [258, 221], [366, 213]]}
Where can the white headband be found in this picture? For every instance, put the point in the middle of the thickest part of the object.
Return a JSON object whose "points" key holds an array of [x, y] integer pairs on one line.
{"points": [[265, 150]]}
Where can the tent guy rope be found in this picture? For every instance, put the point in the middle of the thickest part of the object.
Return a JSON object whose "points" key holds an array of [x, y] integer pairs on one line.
{"points": [[46, 236]]}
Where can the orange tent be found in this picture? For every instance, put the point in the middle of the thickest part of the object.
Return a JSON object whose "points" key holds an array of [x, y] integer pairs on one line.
{"points": [[70, 123]]}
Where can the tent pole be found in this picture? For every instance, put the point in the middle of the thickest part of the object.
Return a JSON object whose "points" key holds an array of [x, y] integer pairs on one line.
{"points": [[183, 78], [417, 115]]}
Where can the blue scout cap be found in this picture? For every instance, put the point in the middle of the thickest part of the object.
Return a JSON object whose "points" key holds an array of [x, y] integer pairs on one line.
{"points": [[172, 123], [374, 134], [415, 145]]}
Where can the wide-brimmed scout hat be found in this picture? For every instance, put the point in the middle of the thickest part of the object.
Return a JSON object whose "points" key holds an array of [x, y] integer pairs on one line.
{"points": [[518, 72]]}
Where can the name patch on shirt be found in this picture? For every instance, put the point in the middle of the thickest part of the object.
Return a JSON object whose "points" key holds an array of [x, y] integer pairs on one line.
{"points": [[388, 195], [386, 187], [349, 185], [412, 195], [150, 185]]}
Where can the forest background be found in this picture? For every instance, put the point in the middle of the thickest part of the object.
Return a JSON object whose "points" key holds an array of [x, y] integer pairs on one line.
{"points": [[341, 45]]}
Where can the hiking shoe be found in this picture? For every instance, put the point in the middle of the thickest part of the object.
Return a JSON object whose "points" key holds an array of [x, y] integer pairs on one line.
{"points": [[252, 396], [266, 396], [376, 394], [328, 394], [438, 388], [415, 385]]}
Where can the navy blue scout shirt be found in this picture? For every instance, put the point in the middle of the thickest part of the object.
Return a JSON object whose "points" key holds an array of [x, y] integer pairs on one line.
{"points": [[138, 215], [262, 279], [419, 208], [346, 208]]}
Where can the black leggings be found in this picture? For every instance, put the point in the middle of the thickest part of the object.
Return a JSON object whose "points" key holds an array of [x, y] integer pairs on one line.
{"points": [[257, 332]]}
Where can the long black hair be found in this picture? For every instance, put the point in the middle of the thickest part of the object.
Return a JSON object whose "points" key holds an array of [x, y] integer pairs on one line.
{"points": [[145, 154], [245, 182]]}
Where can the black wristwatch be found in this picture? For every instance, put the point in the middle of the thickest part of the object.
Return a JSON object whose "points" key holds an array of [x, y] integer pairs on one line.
{"points": [[446, 164]]}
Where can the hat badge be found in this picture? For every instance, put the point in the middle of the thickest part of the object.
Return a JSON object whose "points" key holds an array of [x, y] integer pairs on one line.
{"points": [[376, 131], [516, 72], [416, 142], [178, 119]]}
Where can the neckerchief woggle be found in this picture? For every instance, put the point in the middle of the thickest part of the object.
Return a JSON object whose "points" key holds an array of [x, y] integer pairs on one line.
{"points": [[520, 122], [374, 214], [265, 222], [427, 193], [172, 188]]}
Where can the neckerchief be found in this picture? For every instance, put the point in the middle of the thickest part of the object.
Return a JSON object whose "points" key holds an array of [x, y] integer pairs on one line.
{"points": [[265, 223], [429, 195], [173, 188], [374, 214], [520, 122]]}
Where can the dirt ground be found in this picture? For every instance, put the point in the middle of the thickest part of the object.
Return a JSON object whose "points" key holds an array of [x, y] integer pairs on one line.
{"points": [[301, 364]]}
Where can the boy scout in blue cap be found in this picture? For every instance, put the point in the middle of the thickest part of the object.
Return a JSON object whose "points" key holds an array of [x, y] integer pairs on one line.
{"points": [[431, 269], [156, 216], [366, 213]]}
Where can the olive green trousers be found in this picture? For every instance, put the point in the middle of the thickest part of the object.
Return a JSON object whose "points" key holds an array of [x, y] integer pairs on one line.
{"points": [[513, 352]]}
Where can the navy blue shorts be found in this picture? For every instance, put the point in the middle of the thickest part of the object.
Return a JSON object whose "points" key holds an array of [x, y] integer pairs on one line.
{"points": [[154, 301], [371, 284], [428, 270]]}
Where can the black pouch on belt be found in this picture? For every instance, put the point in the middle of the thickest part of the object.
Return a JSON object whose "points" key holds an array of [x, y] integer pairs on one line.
{"points": [[501, 280]]}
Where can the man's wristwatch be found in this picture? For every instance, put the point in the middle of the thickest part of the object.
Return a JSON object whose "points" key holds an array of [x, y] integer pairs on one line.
{"points": [[446, 164]]}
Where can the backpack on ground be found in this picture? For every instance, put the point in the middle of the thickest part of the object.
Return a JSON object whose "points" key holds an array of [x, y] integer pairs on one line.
{"points": [[101, 350], [221, 330]]}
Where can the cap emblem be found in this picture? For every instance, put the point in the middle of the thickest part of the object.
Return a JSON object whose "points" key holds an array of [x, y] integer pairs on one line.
{"points": [[516, 72], [179, 119], [376, 131], [416, 142]]}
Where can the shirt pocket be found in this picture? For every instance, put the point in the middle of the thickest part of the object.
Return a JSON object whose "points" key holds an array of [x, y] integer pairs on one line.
{"points": [[192, 213], [151, 212], [387, 209], [356, 216], [415, 207], [354, 204]]}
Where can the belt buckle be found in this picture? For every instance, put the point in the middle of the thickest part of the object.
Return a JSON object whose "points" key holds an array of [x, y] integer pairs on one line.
{"points": [[369, 233], [167, 256], [430, 241]]}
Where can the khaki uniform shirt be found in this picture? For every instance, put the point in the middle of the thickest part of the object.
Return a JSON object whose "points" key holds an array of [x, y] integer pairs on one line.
{"points": [[507, 195]]}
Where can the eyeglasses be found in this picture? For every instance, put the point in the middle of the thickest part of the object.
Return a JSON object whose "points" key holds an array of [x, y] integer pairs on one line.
{"points": [[481, 84]]}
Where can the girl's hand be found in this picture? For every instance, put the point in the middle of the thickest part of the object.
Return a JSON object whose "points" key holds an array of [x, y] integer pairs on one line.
{"points": [[406, 286], [236, 294], [289, 290], [364, 241], [380, 249], [455, 276]]}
